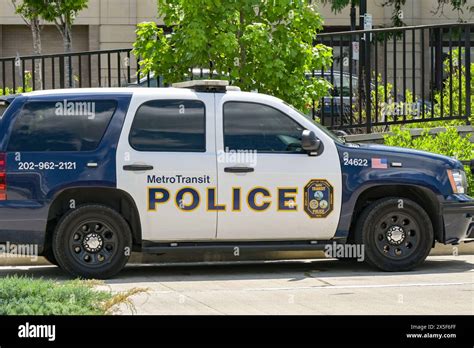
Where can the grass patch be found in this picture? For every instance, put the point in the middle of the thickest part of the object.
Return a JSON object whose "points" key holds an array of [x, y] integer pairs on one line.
{"points": [[28, 296]]}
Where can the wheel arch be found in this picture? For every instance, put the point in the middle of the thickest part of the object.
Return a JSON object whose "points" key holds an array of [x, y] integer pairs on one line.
{"points": [[423, 196], [114, 198]]}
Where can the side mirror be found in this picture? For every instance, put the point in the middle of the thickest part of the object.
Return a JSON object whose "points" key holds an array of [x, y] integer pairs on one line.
{"points": [[310, 142]]}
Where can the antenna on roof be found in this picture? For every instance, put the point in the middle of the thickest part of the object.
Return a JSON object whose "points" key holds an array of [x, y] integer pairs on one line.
{"points": [[212, 86]]}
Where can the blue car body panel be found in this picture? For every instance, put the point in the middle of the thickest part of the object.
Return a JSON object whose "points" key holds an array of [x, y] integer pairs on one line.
{"points": [[418, 169], [30, 192]]}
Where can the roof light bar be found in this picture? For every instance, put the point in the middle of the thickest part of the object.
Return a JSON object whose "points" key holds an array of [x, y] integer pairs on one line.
{"points": [[206, 85]]}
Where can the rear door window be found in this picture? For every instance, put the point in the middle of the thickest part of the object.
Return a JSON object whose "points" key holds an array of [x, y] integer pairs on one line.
{"points": [[169, 126], [61, 126]]}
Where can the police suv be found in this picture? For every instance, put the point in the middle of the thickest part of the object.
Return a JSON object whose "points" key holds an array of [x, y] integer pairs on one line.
{"points": [[90, 175]]}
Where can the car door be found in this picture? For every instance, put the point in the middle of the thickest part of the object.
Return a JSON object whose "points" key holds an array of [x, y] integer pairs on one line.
{"points": [[273, 189], [166, 160]]}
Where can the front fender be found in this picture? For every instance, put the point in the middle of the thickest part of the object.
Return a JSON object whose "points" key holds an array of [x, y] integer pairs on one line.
{"points": [[400, 172]]}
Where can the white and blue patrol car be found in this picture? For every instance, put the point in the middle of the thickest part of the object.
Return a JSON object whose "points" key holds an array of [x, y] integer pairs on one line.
{"points": [[92, 174]]}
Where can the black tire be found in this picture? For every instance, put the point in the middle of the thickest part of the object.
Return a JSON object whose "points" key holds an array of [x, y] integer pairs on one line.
{"points": [[92, 241], [396, 232]]}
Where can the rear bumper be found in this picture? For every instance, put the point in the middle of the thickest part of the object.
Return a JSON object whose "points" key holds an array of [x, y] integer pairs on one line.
{"points": [[458, 219]]}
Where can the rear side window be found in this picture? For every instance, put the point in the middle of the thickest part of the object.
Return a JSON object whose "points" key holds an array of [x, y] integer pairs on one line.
{"points": [[61, 126], [3, 107], [169, 126]]}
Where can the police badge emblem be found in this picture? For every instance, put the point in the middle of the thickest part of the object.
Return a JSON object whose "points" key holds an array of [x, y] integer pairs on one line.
{"points": [[318, 198]]}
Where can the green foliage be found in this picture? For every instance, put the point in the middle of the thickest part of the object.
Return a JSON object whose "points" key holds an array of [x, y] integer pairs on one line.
{"points": [[19, 90], [265, 46], [397, 7], [457, 83], [448, 143], [29, 9], [338, 5], [460, 6], [62, 10], [452, 97], [378, 96], [8, 91], [27, 296]]}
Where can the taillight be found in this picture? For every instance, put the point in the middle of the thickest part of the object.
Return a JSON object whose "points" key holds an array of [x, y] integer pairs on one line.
{"points": [[3, 177]]}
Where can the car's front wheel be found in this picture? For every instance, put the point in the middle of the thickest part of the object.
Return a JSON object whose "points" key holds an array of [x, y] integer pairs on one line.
{"points": [[92, 241], [397, 234]]}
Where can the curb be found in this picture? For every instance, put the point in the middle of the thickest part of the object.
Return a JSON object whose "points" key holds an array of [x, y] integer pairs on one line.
{"points": [[140, 258]]}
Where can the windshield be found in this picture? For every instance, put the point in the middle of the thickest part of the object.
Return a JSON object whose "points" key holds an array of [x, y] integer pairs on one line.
{"points": [[321, 127]]}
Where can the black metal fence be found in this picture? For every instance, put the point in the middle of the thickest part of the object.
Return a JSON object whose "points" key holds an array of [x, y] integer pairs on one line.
{"points": [[105, 68], [381, 77]]}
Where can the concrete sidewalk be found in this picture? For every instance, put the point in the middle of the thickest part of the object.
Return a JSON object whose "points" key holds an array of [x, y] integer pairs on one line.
{"points": [[442, 285]]}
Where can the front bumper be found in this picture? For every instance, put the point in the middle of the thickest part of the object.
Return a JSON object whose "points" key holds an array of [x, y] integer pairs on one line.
{"points": [[458, 219]]}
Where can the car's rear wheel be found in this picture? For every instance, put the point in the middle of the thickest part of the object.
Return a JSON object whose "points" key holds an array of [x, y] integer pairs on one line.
{"points": [[397, 234], [92, 241]]}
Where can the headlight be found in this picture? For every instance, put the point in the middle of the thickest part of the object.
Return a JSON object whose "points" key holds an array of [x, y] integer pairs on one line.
{"points": [[458, 180]]}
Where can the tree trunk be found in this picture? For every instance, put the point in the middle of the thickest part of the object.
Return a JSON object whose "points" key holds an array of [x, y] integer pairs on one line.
{"points": [[37, 47], [68, 69]]}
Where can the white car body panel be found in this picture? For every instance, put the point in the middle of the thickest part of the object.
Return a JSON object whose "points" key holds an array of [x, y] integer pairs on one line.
{"points": [[170, 224]]}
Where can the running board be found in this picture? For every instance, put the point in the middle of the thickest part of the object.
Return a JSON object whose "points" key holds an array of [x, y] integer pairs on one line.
{"points": [[162, 248]]}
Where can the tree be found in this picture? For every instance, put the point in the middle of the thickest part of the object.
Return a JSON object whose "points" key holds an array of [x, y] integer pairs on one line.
{"points": [[30, 12], [460, 6], [63, 13], [60, 12], [259, 45]]}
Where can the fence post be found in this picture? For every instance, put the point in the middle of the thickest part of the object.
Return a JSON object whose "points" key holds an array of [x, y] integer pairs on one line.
{"points": [[468, 74], [438, 51], [368, 94], [69, 73], [62, 75]]}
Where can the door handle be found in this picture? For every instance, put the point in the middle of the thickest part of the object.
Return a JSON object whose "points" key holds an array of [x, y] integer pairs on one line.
{"points": [[137, 167], [239, 170]]}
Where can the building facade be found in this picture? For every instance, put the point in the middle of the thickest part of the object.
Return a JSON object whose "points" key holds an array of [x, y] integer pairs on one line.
{"points": [[108, 24], [111, 24]]}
